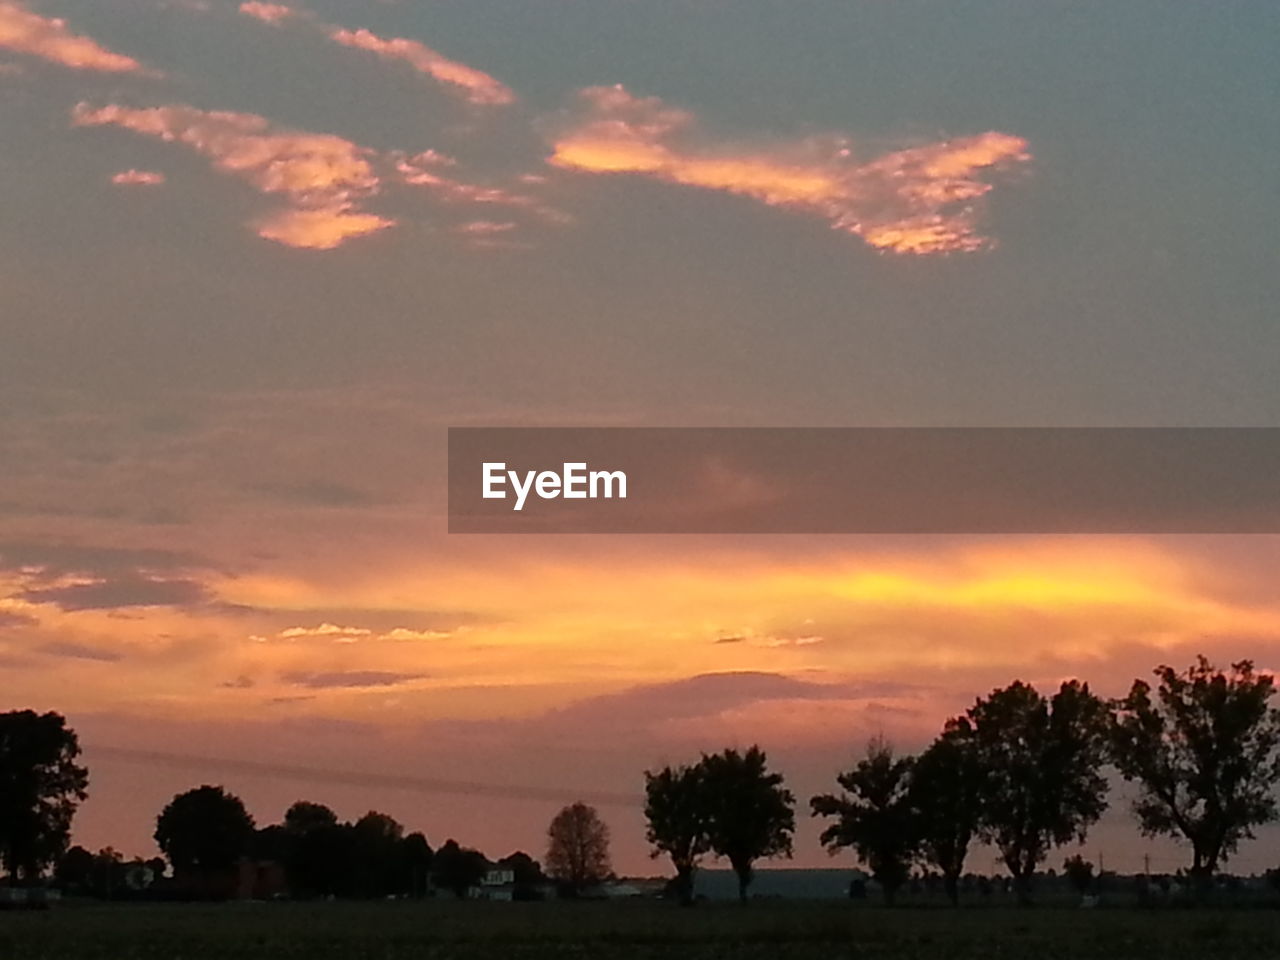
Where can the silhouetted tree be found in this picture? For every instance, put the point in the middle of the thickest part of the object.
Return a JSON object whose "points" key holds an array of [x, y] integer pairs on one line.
{"points": [[750, 814], [458, 869], [376, 840], [305, 816], [1041, 761], [875, 816], [578, 849], [40, 786], [414, 864], [946, 794], [204, 831], [1079, 872], [528, 875], [676, 808], [74, 871], [1205, 751]]}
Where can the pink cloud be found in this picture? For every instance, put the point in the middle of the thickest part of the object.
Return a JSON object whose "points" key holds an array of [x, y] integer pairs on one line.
{"points": [[138, 178], [476, 85], [49, 38], [922, 200], [267, 12], [323, 177]]}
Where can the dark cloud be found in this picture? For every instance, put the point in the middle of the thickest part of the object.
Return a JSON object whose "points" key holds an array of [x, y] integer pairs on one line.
{"points": [[122, 592], [348, 678], [79, 651], [53, 560], [316, 493], [10, 619]]}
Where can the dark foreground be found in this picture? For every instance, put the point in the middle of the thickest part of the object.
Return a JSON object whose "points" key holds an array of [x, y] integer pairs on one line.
{"points": [[821, 931]]}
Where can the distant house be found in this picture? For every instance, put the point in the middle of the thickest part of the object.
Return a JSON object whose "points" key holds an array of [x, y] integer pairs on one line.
{"points": [[498, 883]]}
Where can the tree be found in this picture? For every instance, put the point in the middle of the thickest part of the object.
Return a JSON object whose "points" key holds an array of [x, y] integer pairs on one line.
{"points": [[1041, 762], [676, 810], [458, 869], [946, 794], [874, 816], [750, 814], [40, 787], [1079, 872], [578, 848], [527, 873], [1204, 752], [414, 864], [305, 816], [204, 830], [376, 840]]}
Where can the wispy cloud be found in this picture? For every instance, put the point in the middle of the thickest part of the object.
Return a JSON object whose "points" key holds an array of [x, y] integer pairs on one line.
{"points": [[347, 679], [323, 177], [26, 32], [138, 178], [922, 200], [476, 85], [268, 12], [473, 84]]}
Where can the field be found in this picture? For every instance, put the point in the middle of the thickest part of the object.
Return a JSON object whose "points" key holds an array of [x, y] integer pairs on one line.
{"points": [[437, 930]]}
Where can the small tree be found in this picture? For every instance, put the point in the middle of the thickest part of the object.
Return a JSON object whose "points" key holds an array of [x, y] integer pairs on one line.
{"points": [[204, 831], [1079, 872], [946, 794], [457, 868], [40, 786], [875, 816], [676, 810], [578, 849], [750, 814], [1041, 761], [1205, 751]]}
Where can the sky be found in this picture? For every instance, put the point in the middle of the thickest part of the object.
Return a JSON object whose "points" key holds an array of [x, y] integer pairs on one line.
{"points": [[256, 258]]}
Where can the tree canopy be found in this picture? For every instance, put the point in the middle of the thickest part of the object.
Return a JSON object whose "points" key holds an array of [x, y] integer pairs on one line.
{"points": [[205, 829], [578, 848], [750, 814], [1041, 760], [40, 786], [874, 816], [677, 815], [1204, 748]]}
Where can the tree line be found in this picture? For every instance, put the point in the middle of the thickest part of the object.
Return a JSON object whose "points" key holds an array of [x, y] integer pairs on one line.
{"points": [[1020, 771]]}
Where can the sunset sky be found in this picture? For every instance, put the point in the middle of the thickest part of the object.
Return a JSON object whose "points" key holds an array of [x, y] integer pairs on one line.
{"points": [[256, 258]]}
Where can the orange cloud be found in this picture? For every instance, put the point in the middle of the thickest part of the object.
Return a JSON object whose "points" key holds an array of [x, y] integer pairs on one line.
{"points": [[324, 177], [267, 12], [477, 85], [138, 178], [30, 33], [921, 200]]}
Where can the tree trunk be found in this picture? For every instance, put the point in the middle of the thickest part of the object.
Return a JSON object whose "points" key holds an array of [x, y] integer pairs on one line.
{"points": [[743, 870], [684, 885], [1022, 887], [951, 883]]}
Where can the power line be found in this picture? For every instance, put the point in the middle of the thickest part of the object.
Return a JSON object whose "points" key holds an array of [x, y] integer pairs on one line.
{"points": [[351, 778]]}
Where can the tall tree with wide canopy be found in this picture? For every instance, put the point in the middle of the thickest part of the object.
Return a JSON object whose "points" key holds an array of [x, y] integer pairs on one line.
{"points": [[676, 809], [40, 786], [874, 816], [1204, 747], [1041, 761], [204, 831], [578, 848], [946, 795], [751, 815]]}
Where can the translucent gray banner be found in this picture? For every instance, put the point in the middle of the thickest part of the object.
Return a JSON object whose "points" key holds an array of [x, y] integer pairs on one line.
{"points": [[864, 480]]}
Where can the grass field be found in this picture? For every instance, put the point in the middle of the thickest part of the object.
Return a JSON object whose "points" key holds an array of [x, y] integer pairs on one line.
{"points": [[447, 930]]}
